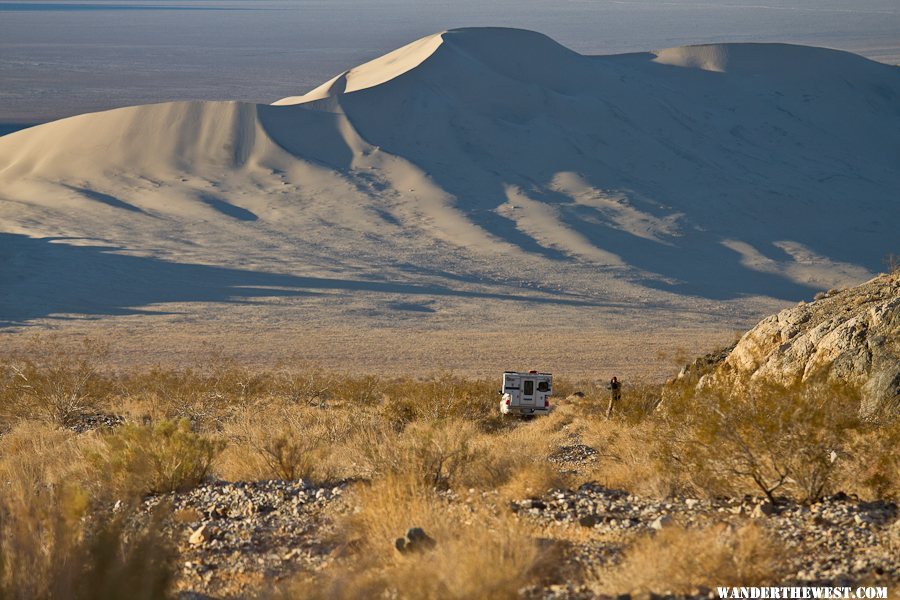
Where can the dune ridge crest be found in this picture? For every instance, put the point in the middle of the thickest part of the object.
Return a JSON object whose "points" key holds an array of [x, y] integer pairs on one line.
{"points": [[374, 72]]}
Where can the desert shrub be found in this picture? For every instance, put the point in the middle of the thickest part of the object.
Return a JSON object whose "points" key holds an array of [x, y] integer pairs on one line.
{"points": [[53, 383], [41, 510], [778, 440], [167, 456], [514, 461], [125, 562], [456, 454], [444, 397], [680, 561], [205, 396], [360, 390], [283, 441], [309, 386], [638, 401], [433, 453], [869, 464], [81, 558]]}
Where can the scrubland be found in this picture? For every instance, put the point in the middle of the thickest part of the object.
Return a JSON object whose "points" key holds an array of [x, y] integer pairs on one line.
{"points": [[82, 446]]}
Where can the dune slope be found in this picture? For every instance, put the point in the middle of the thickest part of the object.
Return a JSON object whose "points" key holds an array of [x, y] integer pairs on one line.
{"points": [[472, 169]]}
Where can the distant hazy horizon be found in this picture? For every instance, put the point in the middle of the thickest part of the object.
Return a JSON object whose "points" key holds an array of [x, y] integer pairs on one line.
{"points": [[63, 58]]}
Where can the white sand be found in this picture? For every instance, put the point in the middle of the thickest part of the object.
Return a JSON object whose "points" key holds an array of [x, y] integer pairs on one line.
{"points": [[474, 178]]}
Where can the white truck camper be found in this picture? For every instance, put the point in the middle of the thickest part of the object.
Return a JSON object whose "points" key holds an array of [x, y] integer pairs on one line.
{"points": [[526, 394]]}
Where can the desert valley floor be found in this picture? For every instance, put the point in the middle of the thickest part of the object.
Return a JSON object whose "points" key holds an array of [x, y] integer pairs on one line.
{"points": [[480, 199]]}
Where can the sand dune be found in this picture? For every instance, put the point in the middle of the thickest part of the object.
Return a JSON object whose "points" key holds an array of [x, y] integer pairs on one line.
{"points": [[473, 174]]}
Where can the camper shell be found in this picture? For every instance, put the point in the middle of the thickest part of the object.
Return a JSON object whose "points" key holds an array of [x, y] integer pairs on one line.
{"points": [[526, 393]]}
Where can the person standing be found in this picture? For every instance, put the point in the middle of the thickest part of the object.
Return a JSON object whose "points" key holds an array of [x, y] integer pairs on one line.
{"points": [[615, 394]]}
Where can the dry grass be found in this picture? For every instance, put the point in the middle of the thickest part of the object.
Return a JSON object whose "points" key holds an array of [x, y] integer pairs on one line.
{"points": [[681, 561], [284, 441], [480, 552], [136, 460], [409, 444], [628, 458], [53, 541]]}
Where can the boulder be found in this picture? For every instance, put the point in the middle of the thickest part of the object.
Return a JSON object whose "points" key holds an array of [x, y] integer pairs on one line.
{"points": [[416, 540], [850, 337]]}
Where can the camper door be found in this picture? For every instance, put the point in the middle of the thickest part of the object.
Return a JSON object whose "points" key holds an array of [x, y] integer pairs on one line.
{"points": [[529, 386]]}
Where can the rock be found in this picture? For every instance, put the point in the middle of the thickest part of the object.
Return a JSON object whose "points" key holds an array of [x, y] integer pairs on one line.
{"points": [[766, 509], [588, 520], [850, 337], [416, 540], [821, 521], [694, 371], [200, 536], [89, 422], [661, 521], [537, 504]]}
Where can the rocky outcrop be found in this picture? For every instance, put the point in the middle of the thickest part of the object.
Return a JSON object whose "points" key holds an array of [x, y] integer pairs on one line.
{"points": [[850, 336]]}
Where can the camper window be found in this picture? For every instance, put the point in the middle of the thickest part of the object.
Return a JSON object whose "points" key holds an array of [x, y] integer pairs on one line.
{"points": [[543, 387], [529, 387]]}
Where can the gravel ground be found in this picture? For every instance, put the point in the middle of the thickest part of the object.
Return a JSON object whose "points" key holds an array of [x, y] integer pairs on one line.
{"points": [[233, 538], [838, 541], [236, 538]]}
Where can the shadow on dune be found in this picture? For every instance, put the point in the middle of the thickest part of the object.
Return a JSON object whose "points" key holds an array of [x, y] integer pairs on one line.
{"points": [[679, 143], [226, 208], [44, 277], [106, 199]]}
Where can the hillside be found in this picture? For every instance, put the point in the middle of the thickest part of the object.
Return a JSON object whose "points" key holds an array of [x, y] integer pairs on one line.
{"points": [[463, 178]]}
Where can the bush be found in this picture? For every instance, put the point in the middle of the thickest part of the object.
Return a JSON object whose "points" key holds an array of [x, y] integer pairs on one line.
{"points": [[632, 457], [774, 439], [869, 464], [432, 453], [42, 508], [52, 383], [120, 562], [60, 557], [283, 441], [164, 457], [441, 398]]}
